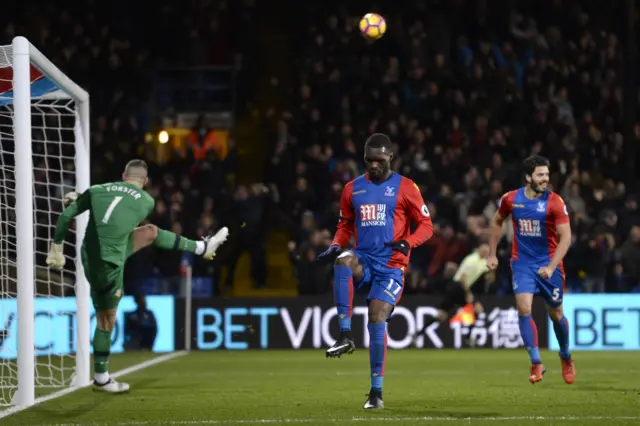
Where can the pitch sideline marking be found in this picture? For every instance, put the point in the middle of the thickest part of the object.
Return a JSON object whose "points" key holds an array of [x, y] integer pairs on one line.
{"points": [[357, 420], [134, 368]]}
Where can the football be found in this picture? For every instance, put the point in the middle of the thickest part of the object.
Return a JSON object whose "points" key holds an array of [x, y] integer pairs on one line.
{"points": [[373, 26]]}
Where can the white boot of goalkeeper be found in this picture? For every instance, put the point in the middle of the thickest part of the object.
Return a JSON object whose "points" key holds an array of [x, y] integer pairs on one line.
{"points": [[111, 387], [213, 242]]}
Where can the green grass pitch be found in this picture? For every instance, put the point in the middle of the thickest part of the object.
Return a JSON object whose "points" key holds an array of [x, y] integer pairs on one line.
{"points": [[303, 387]]}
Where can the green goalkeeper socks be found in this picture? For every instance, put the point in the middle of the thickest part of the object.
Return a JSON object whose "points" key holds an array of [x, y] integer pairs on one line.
{"points": [[169, 241], [101, 351]]}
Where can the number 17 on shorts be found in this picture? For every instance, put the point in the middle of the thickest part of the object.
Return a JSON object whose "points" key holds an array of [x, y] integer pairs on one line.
{"points": [[388, 291]]}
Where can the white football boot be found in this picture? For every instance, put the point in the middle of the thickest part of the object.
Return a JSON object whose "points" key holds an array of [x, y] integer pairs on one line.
{"points": [[212, 243], [111, 387], [374, 401]]}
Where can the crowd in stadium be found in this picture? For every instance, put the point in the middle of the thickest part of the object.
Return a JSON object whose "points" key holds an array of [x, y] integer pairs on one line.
{"points": [[113, 57], [465, 97], [465, 105]]}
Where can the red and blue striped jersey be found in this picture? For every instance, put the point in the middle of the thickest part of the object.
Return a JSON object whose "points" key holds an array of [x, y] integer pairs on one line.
{"points": [[534, 225], [375, 213]]}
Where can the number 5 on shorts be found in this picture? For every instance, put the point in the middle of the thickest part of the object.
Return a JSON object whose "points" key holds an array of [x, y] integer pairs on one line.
{"points": [[556, 294], [110, 209]]}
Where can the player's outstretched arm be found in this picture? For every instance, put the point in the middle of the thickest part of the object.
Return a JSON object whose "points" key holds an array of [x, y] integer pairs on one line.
{"points": [[75, 205]]}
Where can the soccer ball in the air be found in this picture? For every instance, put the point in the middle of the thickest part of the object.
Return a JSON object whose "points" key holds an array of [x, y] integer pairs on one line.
{"points": [[373, 26]]}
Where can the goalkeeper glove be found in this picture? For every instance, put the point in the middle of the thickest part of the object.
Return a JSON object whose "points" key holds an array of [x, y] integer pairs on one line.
{"points": [[401, 245], [333, 249], [56, 259], [69, 198]]}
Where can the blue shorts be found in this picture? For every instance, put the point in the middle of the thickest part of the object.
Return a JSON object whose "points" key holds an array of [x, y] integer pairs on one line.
{"points": [[384, 283], [527, 280]]}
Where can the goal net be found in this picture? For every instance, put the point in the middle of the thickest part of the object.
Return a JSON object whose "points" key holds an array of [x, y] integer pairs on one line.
{"points": [[44, 327]]}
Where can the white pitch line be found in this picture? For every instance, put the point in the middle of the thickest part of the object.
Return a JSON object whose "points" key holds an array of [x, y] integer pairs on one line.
{"points": [[359, 419], [66, 391], [253, 373]]}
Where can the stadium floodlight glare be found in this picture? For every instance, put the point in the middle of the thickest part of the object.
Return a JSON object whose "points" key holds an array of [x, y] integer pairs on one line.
{"points": [[44, 153], [163, 137]]}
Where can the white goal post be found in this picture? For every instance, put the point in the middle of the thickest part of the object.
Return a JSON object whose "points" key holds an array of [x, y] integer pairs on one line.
{"points": [[44, 150]]}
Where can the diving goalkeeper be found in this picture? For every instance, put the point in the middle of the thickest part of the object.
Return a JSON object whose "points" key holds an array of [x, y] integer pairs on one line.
{"points": [[112, 235]]}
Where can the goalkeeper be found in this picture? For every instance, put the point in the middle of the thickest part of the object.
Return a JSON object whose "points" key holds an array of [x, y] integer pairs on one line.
{"points": [[112, 235]]}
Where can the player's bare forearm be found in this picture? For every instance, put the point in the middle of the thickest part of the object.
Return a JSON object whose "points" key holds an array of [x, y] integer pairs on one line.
{"points": [[469, 296], [496, 232], [466, 288], [564, 242]]}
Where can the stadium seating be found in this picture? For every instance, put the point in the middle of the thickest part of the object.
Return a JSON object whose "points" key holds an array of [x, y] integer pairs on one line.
{"points": [[464, 98]]}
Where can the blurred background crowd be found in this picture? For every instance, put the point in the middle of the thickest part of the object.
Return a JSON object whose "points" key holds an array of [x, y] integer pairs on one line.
{"points": [[466, 97], [465, 89]]}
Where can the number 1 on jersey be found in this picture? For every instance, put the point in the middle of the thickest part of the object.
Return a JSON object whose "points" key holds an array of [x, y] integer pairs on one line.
{"points": [[111, 208]]}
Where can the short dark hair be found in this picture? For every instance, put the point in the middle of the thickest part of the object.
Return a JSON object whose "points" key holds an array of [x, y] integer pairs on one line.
{"points": [[379, 140], [530, 164]]}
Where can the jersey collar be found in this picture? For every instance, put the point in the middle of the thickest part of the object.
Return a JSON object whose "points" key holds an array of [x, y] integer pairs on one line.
{"points": [[366, 176]]}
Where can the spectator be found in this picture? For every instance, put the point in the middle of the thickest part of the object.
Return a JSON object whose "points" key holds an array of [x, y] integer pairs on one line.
{"points": [[630, 255], [141, 327], [464, 104], [113, 60], [249, 209], [313, 277], [464, 112]]}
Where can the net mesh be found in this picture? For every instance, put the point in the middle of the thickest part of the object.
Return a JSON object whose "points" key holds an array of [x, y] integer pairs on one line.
{"points": [[53, 122]]}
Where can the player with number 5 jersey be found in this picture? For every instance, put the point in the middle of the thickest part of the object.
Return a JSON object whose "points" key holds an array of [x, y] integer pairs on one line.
{"points": [[542, 236], [115, 211]]}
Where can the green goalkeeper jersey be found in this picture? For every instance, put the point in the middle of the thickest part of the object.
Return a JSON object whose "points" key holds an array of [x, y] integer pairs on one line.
{"points": [[115, 210]]}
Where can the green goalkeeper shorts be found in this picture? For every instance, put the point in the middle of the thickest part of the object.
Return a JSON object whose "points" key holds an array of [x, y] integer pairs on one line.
{"points": [[105, 279]]}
